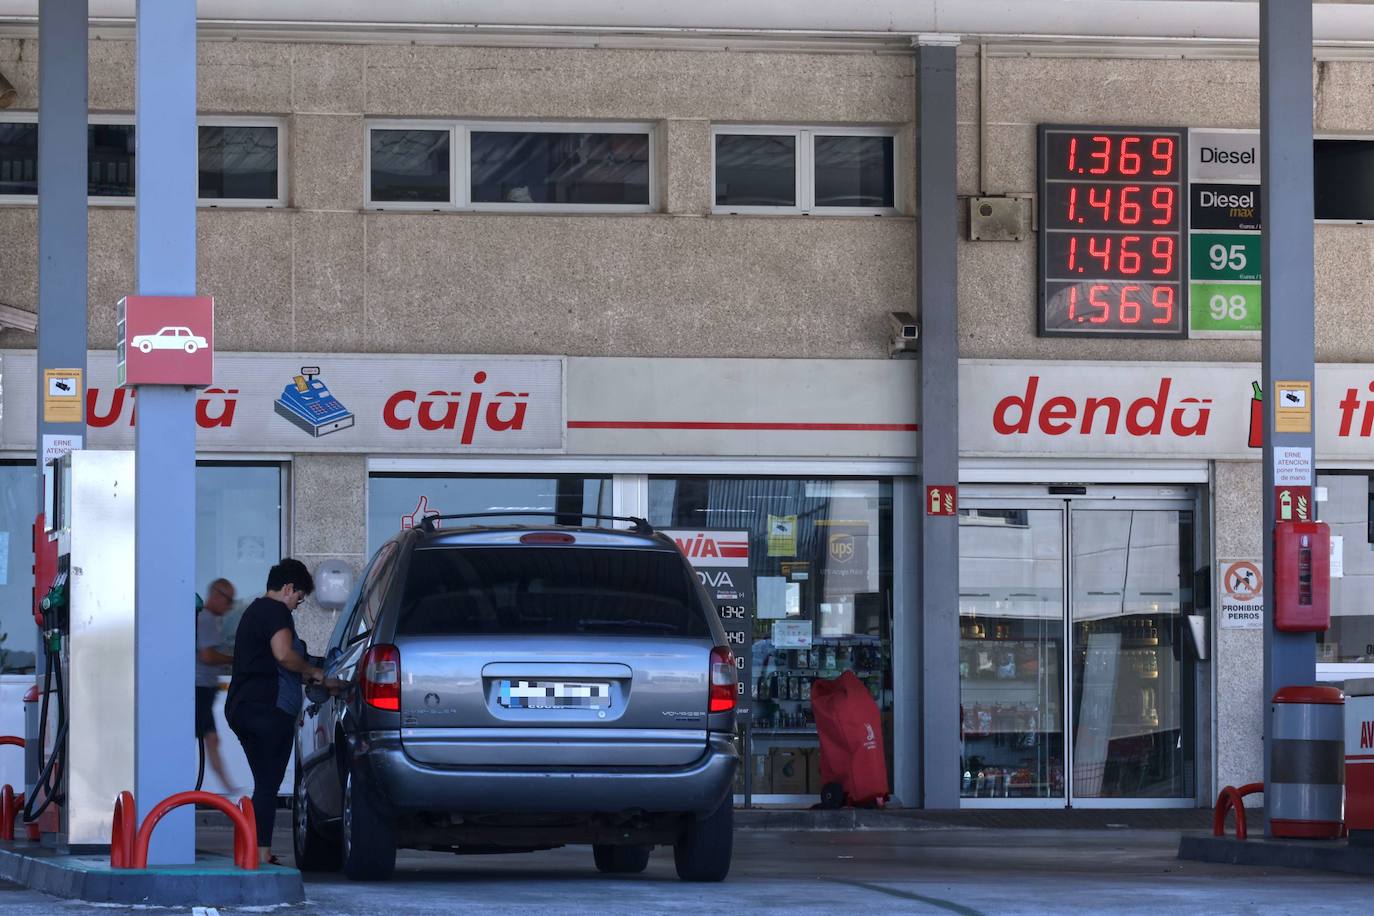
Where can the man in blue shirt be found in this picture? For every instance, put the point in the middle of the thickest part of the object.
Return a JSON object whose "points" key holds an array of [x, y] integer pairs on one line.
{"points": [[211, 659]]}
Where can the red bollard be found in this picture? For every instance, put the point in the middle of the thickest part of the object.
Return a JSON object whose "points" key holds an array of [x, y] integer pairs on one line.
{"points": [[1230, 797], [122, 831], [245, 847], [9, 809]]}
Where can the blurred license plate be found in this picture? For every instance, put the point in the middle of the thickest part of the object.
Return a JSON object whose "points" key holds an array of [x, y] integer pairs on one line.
{"points": [[554, 695]]}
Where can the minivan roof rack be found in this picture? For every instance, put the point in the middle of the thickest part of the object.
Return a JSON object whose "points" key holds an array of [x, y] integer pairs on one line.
{"points": [[641, 526]]}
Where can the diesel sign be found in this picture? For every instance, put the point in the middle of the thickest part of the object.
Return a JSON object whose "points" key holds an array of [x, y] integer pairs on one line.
{"points": [[1224, 156], [1226, 207]]}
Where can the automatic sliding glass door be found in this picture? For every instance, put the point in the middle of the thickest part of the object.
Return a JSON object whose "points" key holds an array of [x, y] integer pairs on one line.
{"points": [[1011, 652], [1077, 605], [1131, 574]]}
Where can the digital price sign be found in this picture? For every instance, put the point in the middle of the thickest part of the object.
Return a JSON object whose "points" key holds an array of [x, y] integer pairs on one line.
{"points": [[1113, 240]]}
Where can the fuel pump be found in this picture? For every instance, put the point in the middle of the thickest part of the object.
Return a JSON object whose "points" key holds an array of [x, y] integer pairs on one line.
{"points": [[84, 606]]}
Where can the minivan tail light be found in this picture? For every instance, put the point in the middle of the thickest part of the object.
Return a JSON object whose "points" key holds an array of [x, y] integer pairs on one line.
{"points": [[381, 678], [724, 680]]}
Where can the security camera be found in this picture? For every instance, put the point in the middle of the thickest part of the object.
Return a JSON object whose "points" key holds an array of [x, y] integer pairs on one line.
{"points": [[905, 331]]}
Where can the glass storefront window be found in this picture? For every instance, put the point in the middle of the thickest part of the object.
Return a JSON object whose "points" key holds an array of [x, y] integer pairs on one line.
{"points": [[820, 555], [1347, 510], [399, 501], [238, 537], [18, 506], [238, 530]]}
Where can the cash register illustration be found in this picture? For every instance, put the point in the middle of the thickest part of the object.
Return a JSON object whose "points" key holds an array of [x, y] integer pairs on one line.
{"points": [[307, 403]]}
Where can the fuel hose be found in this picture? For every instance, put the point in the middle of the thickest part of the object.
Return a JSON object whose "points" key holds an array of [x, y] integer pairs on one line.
{"points": [[49, 773]]}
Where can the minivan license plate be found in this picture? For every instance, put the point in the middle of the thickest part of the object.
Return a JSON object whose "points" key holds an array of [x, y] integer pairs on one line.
{"points": [[554, 695]]}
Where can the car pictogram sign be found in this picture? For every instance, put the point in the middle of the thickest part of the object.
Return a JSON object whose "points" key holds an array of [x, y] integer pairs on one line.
{"points": [[166, 340]]}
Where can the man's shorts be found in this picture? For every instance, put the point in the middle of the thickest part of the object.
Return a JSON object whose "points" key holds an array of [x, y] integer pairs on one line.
{"points": [[205, 710]]}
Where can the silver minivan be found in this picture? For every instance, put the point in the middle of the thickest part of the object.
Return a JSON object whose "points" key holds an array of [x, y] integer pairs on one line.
{"points": [[522, 687]]}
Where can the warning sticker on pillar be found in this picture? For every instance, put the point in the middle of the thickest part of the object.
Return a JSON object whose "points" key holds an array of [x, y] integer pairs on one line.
{"points": [[1293, 407], [1292, 465], [1293, 504], [942, 500], [165, 340], [62, 398]]}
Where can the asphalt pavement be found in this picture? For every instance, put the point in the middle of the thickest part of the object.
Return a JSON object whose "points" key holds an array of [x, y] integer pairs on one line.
{"points": [[964, 870]]}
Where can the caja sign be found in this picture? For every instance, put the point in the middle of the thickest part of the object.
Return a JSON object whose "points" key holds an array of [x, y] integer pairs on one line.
{"points": [[413, 404]]}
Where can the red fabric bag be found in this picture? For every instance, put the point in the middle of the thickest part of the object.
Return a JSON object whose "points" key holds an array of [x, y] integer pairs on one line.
{"points": [[851, 733]]}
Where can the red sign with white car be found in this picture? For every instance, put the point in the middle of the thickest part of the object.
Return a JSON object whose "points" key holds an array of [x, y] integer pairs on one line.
{"points": [[166, 340]]}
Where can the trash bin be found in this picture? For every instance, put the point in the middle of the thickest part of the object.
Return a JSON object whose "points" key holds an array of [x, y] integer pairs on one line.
{"points": [[1305, 792], [1359, 761]]}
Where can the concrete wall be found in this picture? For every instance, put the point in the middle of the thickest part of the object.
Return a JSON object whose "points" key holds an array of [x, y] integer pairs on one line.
{"points": [[323, 274], [1239, 661], [997, 280]]}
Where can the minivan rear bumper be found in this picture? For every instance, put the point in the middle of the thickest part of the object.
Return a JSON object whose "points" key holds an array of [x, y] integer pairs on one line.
{"points": [[407, 785]]}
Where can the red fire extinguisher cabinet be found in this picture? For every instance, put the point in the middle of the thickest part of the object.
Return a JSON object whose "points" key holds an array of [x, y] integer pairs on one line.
{"points": [[1302, 577]]}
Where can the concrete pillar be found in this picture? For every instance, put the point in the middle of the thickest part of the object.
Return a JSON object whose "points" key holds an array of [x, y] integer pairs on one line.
{"points": [[165, 439], [62, 255], [1287, 206], [937, 299]]}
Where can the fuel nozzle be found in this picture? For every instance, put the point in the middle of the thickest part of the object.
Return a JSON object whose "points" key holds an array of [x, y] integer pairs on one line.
{"points": [[56, 598]]}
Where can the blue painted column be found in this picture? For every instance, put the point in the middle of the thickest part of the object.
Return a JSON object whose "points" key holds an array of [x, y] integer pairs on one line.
{"points": [[1288, 344], [165, 439], [62, 256]]}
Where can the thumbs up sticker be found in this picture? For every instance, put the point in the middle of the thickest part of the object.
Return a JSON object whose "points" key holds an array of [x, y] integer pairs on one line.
{"points": [[422, 511]]}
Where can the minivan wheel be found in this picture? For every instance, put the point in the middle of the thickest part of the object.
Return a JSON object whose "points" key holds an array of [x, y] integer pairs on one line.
{"points": [[621, 860], [702, 851], [369, 837], [314, 850]]}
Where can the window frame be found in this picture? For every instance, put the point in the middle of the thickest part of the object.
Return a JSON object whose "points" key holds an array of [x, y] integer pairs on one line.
{"points": [[460, 163], [226, 203], [806, 168], [31, 117], [455, 161], [19, 117]]}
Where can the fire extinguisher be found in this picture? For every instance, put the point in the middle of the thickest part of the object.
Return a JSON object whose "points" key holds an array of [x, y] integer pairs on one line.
{"points": [[1257, 416]]}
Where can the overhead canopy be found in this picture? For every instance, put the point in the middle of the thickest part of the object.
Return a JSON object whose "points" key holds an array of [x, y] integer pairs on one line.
{"points": [[1335, 23]]}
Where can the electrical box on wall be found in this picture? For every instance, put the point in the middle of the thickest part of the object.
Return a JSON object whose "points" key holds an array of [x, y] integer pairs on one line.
{"points": [[997, 219]]}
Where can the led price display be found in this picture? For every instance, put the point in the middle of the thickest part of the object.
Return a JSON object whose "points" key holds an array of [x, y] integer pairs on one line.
{"points": [[1112, 232]]}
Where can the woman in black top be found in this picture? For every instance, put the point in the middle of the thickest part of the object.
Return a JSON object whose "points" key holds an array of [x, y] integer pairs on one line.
{"points": [[265, 692]]}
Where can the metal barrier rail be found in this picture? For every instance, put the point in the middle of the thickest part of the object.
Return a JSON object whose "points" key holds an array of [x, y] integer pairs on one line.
{"points": [[1231, 798], [130, 850]]}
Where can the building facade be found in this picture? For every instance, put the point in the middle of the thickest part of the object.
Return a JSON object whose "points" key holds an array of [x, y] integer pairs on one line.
{"points": [[652, 276]]}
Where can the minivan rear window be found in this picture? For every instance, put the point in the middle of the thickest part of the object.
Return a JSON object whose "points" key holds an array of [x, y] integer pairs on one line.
{"points": [[582, 591]]}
